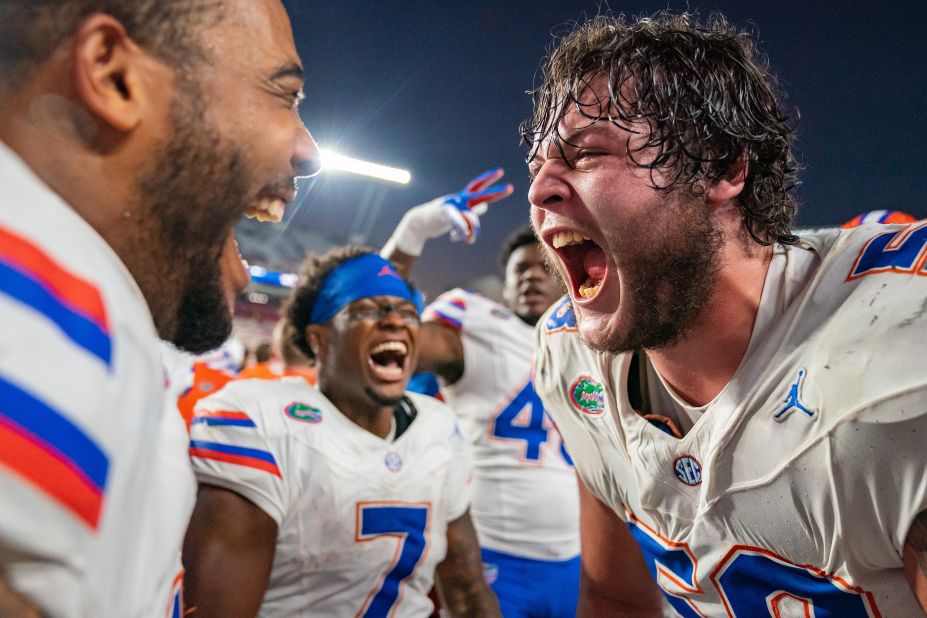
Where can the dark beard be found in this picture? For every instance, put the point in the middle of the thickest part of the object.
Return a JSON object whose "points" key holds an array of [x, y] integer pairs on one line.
{"points": [[195, 190], [670, 285]]}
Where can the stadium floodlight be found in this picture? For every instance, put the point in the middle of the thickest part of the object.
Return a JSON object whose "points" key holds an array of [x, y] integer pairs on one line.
{"points": [[338, 162]]}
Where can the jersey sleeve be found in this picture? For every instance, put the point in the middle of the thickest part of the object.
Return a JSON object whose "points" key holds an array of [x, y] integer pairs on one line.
{"points": [[878, 466], [458, 489], [232, 446], [450, 309]]}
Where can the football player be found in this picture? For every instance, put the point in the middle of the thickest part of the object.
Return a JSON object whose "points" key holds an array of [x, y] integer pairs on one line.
{"points": [[746, 410], [346, 500], [112, 114], [525, 501]]}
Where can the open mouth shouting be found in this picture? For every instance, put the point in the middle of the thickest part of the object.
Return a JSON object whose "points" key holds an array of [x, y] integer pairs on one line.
{"points": [[389, 360], [583, 261]]}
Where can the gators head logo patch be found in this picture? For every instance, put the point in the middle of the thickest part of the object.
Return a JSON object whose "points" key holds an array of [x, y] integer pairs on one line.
{"points": [[588, 395], [304, 412]]}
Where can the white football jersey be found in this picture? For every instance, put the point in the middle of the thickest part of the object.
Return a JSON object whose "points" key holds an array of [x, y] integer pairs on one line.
{"points": [[525, 500], [362, 521], [793, 493], [81, 411]]}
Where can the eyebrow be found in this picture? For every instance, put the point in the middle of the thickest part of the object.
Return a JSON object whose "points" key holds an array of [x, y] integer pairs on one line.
{"points": [[290, 69], [576, 134]]}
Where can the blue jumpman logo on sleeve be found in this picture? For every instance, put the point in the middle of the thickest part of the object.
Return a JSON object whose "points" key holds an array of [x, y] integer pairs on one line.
{"points": [[793, 401]]}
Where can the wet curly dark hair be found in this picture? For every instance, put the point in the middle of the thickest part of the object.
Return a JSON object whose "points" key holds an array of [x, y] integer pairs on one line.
{"points": [[298, 307], [705, 92]]}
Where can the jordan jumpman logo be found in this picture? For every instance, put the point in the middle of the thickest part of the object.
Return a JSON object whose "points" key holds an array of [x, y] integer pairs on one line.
{"points": [[793, 401]]}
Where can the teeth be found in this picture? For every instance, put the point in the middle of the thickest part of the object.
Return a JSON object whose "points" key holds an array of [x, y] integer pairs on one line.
{"points": [[395, 346], [267, 209], [562, 239], [588, 289]]}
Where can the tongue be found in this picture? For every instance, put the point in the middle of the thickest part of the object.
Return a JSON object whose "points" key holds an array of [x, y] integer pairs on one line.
{"points": [[594, 263]]}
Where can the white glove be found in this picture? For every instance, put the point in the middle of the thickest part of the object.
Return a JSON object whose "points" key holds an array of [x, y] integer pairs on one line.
{"points": [[457, 213]]}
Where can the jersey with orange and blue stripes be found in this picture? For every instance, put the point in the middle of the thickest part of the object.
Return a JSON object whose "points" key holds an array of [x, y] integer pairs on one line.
{"points": [[81, 395], [362, 521], [524, 493]]}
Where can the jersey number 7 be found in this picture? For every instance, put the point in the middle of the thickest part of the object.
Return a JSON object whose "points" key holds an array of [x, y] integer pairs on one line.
{"points": [[408, 522]]}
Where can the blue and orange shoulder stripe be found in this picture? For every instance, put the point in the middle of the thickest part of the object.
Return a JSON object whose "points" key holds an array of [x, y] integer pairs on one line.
{"points": [[49, 451], [257, 459], [449, 308], [30, 276], [561, 317], [231, 418]]}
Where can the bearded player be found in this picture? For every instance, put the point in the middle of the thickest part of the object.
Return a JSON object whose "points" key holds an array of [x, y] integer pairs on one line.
{"points": [[746, 410], [112, 114], [525, 502], [346, 500]]}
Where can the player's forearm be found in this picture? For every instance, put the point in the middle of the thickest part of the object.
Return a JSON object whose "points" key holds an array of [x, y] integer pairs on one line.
{"points": [[402, 261], [467, 597], [13, 605], [915, 559], [594, 605], [459, 578]]}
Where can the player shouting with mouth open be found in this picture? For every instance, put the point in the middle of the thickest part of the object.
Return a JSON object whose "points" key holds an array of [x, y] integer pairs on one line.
{"points": [[346, 500], [746, 410]]}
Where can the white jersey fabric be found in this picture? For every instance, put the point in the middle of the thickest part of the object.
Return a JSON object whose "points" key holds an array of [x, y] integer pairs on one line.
{"points": [[792, 494], [525, 500], [81, 411], [362, 521]]}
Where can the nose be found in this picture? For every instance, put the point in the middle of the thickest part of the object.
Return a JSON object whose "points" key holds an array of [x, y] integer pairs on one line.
{"points": [[306, 161], [548, 189], [534, 273]]}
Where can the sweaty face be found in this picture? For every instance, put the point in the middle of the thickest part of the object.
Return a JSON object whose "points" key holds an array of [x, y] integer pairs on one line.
{"points": [[639, 264], [529, 289], [372, 350], [236, 145]]}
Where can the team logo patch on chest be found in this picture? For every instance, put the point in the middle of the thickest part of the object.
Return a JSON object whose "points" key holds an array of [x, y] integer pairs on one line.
{"points": [[793, 401], [588, 395], [393, 461], [304, 412], [688, 470]]}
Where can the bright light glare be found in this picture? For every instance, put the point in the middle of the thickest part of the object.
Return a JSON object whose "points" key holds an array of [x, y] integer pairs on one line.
{"points": [[334, 161]]}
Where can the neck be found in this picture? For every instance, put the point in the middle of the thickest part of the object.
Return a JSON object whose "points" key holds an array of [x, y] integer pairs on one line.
{"points": [[701, 364], [374, 417]]}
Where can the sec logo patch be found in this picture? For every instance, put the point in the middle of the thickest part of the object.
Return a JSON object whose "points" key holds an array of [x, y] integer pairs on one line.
{"points": [[688, 470]]}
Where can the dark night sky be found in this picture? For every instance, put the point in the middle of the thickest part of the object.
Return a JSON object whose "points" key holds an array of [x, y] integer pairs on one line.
{"points": [[439, 88]]}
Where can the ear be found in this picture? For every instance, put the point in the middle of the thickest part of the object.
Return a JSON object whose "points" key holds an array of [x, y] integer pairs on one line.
{"points": [[731, 185], [317, 341], [107, 72]]}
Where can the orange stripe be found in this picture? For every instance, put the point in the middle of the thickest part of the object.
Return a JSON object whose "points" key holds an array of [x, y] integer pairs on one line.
{"points": [[77, 293], [46, 470], [248, 462]]}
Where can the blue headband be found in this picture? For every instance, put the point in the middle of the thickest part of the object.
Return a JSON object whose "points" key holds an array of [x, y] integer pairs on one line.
{"points": [[361, 277]]}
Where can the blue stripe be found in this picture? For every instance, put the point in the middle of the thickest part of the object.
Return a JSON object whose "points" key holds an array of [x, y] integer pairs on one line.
{"points": [[81, 330], [234, 422], [444, 316], [55, 430], [234, 450]]}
